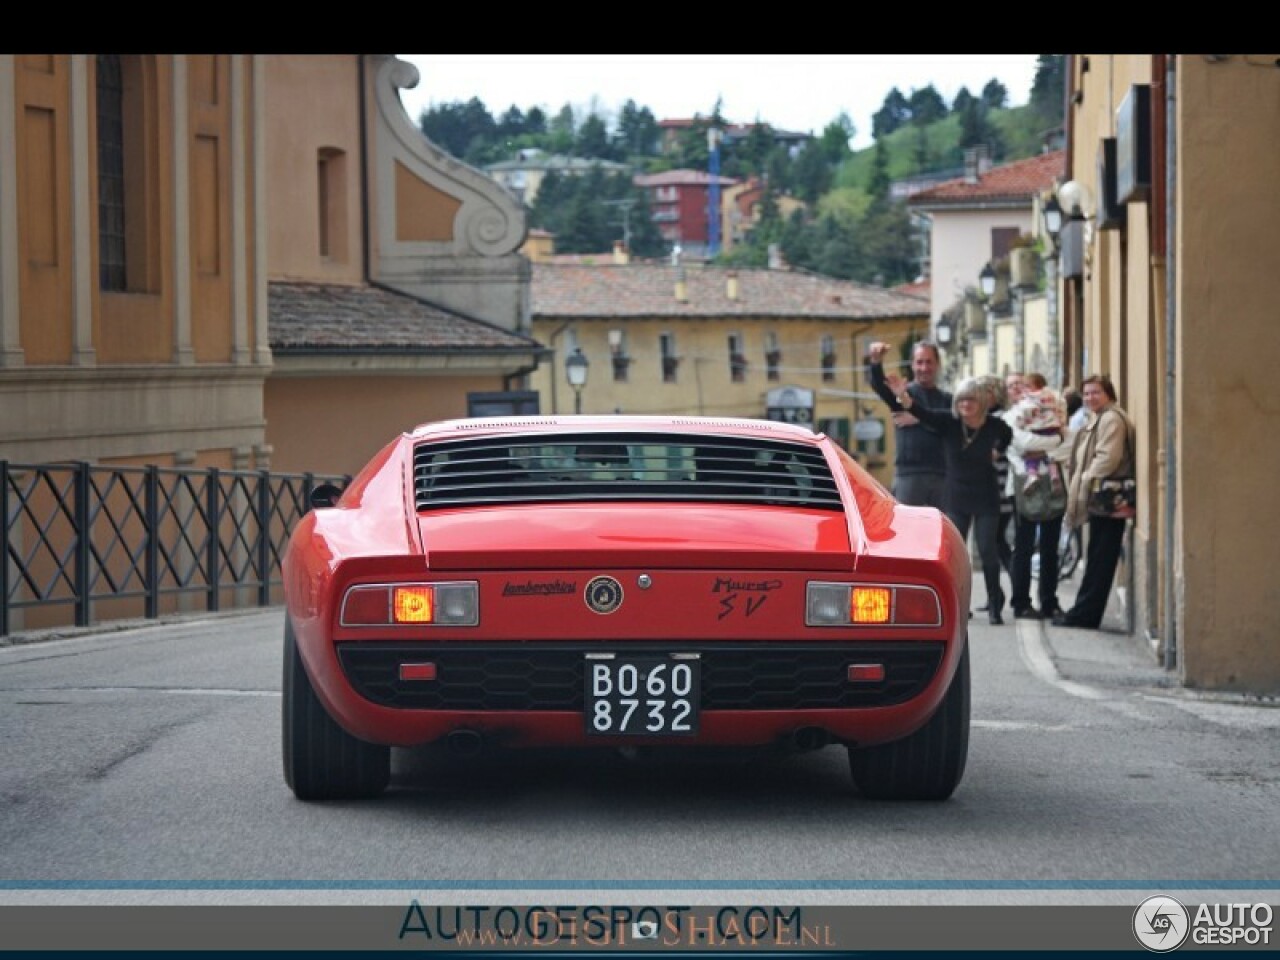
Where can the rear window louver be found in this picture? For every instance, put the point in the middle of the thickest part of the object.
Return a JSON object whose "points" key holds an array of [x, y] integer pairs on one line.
{"points": [[598, 467]]}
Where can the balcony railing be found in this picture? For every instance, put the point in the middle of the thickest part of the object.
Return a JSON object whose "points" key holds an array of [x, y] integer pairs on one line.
{"points": [[84, 543]]}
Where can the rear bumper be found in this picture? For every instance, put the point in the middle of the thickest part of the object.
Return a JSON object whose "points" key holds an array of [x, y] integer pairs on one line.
{"points": [[533, 695]]}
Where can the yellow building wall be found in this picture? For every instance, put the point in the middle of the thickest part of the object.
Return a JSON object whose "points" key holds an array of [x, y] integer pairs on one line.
{"points": [[312, 104], [372, 411], [1226, 126], [704, 384], [1228, 341]]}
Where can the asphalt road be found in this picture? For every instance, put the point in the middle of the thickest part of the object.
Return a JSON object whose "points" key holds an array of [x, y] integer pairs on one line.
{"points": [[150, 759]]}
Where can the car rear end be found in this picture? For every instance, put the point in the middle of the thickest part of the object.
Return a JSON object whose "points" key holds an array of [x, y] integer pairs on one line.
{"points": [[636, 587]]}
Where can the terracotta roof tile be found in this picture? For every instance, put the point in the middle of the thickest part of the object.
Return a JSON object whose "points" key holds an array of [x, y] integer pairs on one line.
{"points": [[1019, 181], [336, 318], [648, 290]]}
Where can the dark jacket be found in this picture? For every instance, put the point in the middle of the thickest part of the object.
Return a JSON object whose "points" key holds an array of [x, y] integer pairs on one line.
{"points": [[919, 448], [972, 486]]}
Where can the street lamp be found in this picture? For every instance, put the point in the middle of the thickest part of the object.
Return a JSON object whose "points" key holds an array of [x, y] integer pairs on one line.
{"points": [[575, 371], [1052, 214]]}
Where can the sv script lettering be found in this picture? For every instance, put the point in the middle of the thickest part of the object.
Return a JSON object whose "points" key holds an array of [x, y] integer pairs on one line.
{"points": [[730, 603]]}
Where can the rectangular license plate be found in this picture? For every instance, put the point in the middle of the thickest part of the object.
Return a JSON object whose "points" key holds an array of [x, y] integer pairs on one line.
{"points": [[642, 696]]}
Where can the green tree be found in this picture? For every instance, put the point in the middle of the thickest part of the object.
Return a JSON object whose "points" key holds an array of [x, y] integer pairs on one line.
{"points": [[1048, 89], [512, 123], [995, 95], [962, 100], [637, 132], [561, 131], [893, 113], [811, 173], [887, 254], [836, 137], [592, 139], [926, 105], [535, 121], [462, 129], [835, 252], [878, 184]]}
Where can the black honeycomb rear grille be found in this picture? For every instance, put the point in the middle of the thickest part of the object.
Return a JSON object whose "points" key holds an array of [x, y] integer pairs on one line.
{"points": [[620, 466], [532, 677]]}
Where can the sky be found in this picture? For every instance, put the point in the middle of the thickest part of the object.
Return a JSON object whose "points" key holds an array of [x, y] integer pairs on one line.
{"points": [[801, 93]]}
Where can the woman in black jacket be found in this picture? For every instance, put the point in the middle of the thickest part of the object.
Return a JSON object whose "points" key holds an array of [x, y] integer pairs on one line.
{"points": [[973, 438]]}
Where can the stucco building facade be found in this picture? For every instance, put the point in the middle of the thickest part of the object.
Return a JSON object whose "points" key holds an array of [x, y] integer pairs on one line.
{"points": [[1170, 286]]}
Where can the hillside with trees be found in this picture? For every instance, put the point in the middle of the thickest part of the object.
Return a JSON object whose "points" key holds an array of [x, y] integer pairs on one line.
{"points": [[850, 226]]}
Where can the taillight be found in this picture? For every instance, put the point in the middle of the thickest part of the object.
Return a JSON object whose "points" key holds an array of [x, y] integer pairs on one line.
{"points": [[411, 604], [864, 604]]}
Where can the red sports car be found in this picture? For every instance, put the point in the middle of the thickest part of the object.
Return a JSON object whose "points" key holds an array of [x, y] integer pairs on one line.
{"points": [[623, 581]]}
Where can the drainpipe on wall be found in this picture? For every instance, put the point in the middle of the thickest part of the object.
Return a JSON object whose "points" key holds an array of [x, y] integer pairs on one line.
{"points": [[1168, 601], [553, 338]]}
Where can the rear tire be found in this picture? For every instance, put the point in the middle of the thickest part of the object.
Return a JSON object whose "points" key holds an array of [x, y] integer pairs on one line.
{"points": [[321, 760], [927, 765]]}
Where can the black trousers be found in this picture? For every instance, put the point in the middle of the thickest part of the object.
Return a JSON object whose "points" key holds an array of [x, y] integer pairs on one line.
{"points": [[1106, 537], [1024, 547], [985, 531], [1002, 539]]}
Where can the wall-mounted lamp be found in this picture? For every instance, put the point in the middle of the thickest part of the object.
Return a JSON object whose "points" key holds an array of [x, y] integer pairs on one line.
{"points": [[987, 281], [1052, 214], [1076, 200], [945, 332]]}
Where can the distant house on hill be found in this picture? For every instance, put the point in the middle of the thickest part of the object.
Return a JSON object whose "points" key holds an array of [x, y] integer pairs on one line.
{"points": [[679, 201], [672, 130], [523, 175]]}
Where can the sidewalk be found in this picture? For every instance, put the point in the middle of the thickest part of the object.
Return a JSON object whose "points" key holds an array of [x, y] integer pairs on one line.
{"points": [[1109, 658]]}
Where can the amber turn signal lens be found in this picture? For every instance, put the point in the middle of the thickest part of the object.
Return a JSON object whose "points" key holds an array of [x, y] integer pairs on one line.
{"points": [[412, 605], [869, 604]]}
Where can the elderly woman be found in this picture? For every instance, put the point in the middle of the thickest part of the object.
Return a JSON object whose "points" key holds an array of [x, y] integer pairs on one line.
{"points": [[973, 436]]}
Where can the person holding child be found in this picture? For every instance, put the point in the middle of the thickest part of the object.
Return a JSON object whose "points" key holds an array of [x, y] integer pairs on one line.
{"points": [[1038, 454]]}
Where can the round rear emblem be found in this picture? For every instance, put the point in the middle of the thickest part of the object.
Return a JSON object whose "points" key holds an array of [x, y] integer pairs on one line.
{"points": [[604, 594]]}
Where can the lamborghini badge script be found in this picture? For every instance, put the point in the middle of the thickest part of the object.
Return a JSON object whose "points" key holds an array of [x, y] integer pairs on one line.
{"points": [[604, 594]]}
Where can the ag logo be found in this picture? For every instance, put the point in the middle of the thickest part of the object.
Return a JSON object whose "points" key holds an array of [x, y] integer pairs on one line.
{"points": [[604, 594], [1161, 923]]}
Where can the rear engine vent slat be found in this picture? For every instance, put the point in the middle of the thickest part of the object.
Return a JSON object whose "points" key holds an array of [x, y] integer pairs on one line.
{"points": [[604, 467]]}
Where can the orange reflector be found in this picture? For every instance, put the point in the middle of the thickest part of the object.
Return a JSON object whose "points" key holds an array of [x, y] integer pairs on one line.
{"points": [[866, 672], [869, 605], [417, 671], [412, 605]]}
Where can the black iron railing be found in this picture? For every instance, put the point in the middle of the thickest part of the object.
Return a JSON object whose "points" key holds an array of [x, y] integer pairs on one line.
{"points": [[111, 542]]}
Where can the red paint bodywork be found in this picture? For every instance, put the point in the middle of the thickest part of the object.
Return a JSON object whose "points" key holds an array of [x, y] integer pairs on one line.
{"points": [[375, 535]]}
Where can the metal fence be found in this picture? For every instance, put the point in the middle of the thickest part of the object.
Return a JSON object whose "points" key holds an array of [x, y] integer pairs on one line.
{"points": [[84, 543]]}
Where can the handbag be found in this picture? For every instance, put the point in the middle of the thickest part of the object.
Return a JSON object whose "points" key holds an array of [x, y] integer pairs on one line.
{"points": [[1113, 497], [1041, 497], [1116, 496]]}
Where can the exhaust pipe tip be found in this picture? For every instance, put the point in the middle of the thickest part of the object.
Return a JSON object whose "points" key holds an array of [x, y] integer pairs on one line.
{"points": [[810, 738], [465, 743]]}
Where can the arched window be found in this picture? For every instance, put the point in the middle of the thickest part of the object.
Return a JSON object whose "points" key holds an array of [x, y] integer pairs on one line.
{"points": [[128, 173]]}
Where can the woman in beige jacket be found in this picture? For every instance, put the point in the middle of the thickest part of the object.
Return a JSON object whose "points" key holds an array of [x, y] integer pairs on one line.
{"points": [[1103, 448]]}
